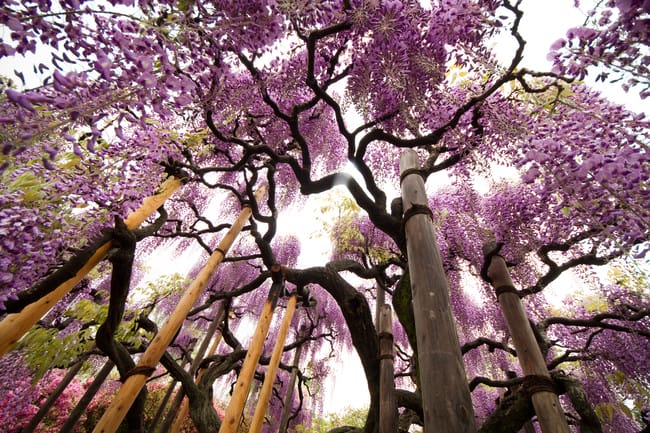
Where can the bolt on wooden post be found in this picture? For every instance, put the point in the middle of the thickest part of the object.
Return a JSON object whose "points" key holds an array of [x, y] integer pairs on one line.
{"points": [[546, 403], [446, 400]]}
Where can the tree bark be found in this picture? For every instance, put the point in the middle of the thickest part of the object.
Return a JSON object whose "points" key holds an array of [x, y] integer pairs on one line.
{"points": [[358, 319], [513, 412], [121, 257], [179, 407]]}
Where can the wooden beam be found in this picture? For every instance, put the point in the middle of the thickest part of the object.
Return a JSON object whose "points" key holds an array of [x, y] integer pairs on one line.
{"points": [[288, 398], [14, 326], [180, 406], [112, 418], [446, 400], [272, 370], [185, 406], [546, 403], [240, 393], [388, 417]]}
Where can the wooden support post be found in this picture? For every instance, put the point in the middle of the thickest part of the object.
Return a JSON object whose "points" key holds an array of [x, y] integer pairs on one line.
{"points": [[131, 387], [175, 408], [74, 415], [51, 399], [240, 393], [185, 406], [272, 370], [546, 403], [388, 421], [381, 300], [14, 326], [446, 400], [288, 399]]}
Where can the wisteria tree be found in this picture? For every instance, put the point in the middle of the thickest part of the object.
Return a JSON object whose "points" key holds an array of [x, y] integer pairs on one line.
{"points": [[316, 100]]}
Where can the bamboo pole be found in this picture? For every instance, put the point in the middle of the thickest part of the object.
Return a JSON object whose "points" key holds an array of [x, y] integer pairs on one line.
{"points": [[158, 416], [272, 370], [175, 411], [51, 399], [546, 403], [286, 410], [185, 405], [446, 400], [74, 415], [127, 394], [388, 416], [14, 326], [238, 399]]}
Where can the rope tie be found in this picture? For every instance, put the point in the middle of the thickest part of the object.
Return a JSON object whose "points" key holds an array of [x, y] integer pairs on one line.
{"points": [[140, 369], [386, 356], [506, 288], [386, 335], [408, 172], [416, 209], [534, 383]]}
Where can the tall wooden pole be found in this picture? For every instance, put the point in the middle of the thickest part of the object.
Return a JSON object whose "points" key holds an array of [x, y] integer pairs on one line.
{"points": [[14, 326], [51, 399], [181, 414], [538, 380], [74, 415], [387, 399], [286, 410], [272, 370], [178, 397], [175, 411], [240, 393], [131, 387], [446, 400], [381, 301]]}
